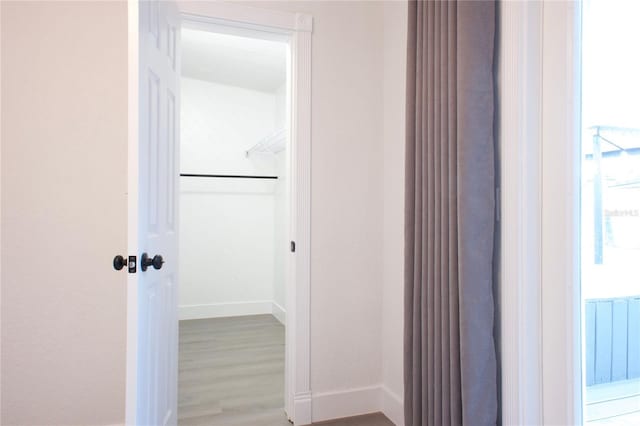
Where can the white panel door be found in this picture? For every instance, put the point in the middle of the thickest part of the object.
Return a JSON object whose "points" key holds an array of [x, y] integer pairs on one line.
{"points": [[157, 234]]}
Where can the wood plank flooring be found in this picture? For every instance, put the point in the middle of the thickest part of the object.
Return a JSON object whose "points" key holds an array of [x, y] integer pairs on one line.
{"points": [[377, 419], [231, 373]]}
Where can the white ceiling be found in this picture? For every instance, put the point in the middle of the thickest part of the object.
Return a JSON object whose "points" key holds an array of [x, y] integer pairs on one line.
{"points": [[232, 60]]}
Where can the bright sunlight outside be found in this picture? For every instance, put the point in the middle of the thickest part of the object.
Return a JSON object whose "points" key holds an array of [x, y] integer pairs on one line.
{"points": [[611, 211]]}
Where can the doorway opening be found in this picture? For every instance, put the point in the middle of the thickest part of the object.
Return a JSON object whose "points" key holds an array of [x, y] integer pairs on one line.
{"points": [[234, 240], [270, 164]]}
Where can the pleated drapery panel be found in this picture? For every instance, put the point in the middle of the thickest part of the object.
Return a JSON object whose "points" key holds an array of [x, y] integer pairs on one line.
{"points": [[450, 359]]}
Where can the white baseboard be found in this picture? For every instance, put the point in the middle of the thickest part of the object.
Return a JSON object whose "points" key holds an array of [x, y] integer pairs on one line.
{"points": [[302, 408], [229, 309], [392, 406], [279, 312], [347, 403]]}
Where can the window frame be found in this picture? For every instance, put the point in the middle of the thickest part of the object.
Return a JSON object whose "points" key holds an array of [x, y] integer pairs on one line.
{"points": [[541, 310]]}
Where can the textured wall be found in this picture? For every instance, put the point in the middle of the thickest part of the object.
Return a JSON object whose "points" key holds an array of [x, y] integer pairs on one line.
{"points": [[64, 212]]}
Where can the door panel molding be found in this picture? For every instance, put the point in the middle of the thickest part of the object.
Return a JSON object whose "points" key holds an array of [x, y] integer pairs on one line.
{"points": [[152, 325]]}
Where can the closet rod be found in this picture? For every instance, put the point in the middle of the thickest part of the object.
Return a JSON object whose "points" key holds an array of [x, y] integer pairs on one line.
{"points": [[228, 176]]}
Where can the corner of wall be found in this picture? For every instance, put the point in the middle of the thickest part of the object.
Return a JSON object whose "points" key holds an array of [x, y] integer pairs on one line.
{"points": [[392, 406], [395, 36]]}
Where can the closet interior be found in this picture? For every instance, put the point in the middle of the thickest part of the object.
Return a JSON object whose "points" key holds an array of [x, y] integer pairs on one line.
{"points": [[234, 227]]}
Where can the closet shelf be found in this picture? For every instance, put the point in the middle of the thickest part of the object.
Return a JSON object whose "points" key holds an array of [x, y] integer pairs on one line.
{"points": [[272, 143]]}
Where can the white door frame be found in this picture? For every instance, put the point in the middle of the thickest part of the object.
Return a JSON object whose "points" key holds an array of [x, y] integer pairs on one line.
{"points": [[297, 27], [133, 95], [539, 89], [562, 366], [520, 135]]}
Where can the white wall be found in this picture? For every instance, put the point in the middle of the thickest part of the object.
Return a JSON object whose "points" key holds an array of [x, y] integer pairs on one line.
{"points": [[281, 240], [395, 60], [357, 206], [281, 107], [219, 123], [346, 204], [56, 367], [226, 247], [227, 226], [282, 252], [64, 212]]}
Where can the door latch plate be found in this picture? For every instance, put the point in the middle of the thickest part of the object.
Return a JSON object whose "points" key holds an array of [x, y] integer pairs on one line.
{"points": [[132, 264]]}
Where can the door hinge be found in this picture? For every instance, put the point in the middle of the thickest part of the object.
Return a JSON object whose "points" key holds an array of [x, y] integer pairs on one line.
{"points": [[293, 246]]}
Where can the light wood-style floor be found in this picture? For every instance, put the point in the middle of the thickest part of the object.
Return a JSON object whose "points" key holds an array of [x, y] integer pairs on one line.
{"points": [[231, 373], [377, 419]]}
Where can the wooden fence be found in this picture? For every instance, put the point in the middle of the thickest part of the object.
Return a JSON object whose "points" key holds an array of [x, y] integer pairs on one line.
{"points": [[612, 339]]}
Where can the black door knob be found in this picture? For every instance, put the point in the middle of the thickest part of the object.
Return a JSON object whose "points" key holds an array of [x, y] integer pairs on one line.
{"points": [[146, 261], [118, 262]]}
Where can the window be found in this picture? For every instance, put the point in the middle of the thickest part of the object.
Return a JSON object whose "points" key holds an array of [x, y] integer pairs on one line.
{"points": [[610, 212]]}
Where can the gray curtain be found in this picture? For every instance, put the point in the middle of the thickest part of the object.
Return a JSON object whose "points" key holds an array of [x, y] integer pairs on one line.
{"points": [[450, 357]]}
